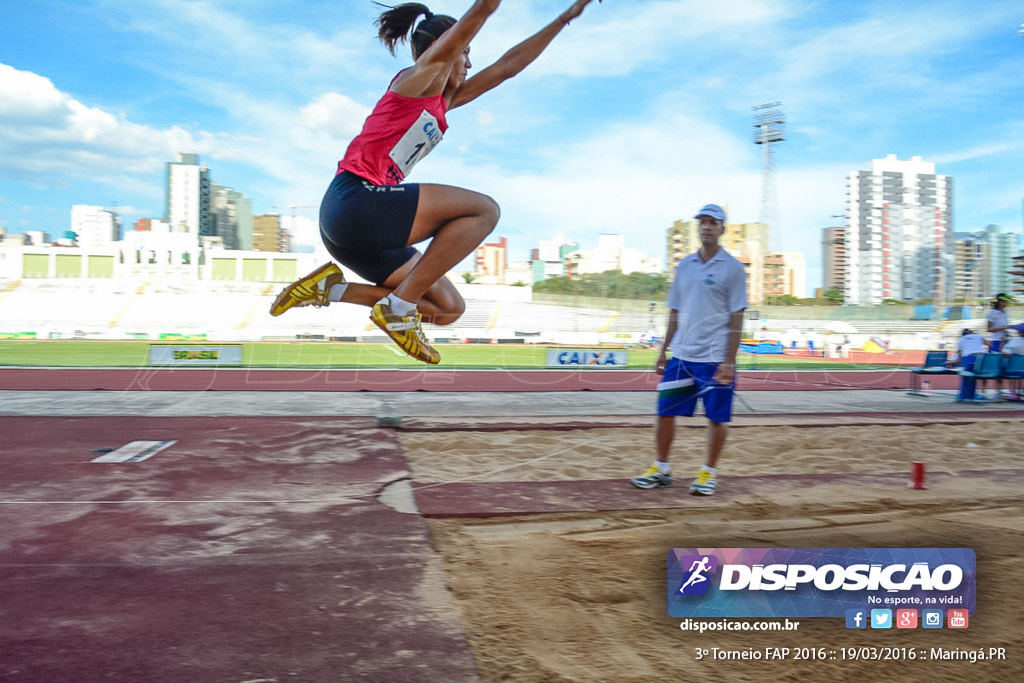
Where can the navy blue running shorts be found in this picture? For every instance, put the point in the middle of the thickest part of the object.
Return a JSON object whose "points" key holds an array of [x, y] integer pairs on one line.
{"points": [[366, 227]]}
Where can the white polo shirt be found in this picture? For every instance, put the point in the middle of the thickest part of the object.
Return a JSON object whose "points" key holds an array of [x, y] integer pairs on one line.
{"points": [[998, 319], [971, 344], [705, 295], [1014, 346]]}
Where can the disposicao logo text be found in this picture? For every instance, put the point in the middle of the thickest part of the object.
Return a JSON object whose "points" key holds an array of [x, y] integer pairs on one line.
{"points": [[808, 582]]}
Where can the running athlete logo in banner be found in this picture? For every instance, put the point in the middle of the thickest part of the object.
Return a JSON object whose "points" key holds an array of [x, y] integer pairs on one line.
{"points": [[816, 582]]}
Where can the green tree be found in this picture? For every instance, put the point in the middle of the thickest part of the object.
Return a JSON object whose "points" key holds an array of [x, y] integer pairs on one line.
{"points": [[611, 284], [833, 296]]}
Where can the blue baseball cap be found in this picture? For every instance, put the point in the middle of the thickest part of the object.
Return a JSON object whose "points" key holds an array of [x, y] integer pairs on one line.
{"points": [[713, 210]]}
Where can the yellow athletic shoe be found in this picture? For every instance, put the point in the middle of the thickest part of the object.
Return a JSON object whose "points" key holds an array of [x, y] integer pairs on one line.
{"points": [[651, 479], [309, 291], [704, 484], [407, 331]]}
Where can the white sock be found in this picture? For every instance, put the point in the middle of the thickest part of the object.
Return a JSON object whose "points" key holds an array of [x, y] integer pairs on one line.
{"points": [[337, 291], [712, 470], [663, 467], [400, 306]]}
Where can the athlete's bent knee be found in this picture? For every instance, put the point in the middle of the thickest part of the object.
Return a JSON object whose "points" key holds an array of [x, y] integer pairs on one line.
{"points": [[450, 312], [446, 304], [490, 212]]}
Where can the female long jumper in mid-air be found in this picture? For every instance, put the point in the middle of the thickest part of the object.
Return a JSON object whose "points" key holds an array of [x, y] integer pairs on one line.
{"points": [[369, 218]]}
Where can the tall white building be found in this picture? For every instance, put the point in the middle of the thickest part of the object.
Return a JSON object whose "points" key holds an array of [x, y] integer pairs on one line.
{"points": [[188, 196], [984, 261], [1003, 249], [899, 236], [230, 217], [94, 226]]}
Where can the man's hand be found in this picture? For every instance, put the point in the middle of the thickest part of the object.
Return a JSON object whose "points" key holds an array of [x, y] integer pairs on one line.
{"points": [[659, 366], [725, 373]]}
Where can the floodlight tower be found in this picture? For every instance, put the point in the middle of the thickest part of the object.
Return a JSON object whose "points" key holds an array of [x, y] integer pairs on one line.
{"points": [[768, 124]]}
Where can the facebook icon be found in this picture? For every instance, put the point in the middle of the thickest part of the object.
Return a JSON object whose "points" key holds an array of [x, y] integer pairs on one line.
{"points": [[856, 618]]}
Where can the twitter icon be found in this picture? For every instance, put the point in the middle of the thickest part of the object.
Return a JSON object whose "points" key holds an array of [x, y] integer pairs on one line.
{"points": [[881, 618]]}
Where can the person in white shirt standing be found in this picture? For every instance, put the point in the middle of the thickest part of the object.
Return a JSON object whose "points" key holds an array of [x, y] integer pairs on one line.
{"points": [[998, 322], [706, 302]]}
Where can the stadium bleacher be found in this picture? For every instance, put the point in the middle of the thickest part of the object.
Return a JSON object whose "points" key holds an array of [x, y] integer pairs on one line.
{"points": [[237, 311]]}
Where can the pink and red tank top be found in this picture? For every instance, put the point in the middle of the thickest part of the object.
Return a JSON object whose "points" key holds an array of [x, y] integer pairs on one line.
{"points": [[396, 135]]}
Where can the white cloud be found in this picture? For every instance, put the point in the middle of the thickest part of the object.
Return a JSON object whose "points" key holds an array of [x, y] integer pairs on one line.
{"points": [[980, 151], [632, 179], [304, 232], [45, 132], [49, 137], [615, 38], [336, 115]]}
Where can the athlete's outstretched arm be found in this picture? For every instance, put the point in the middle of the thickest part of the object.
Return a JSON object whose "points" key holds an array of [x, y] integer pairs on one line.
{"points": [[429, 74], [516, 59]]}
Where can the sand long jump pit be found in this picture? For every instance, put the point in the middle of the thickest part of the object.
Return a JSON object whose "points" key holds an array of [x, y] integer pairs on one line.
{"points": [[557, 566]]}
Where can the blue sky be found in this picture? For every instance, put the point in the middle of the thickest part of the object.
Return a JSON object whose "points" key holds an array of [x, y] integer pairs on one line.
{"points": [[639, 113]]}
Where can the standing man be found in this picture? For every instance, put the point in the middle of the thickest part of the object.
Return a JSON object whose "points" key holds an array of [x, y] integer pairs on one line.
{"points": [[706, 302], [998, 322]]}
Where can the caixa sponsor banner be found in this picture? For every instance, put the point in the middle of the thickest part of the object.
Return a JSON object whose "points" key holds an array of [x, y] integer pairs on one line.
{"points": [[816, 582], [585, 358]]}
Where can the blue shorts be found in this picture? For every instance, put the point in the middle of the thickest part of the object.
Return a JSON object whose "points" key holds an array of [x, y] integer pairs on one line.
{"points": [[684, 382], [995, 346], [366, 227]]}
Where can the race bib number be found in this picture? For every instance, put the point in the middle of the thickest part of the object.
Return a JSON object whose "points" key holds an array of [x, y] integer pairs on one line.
{"points": [[417, 142]]}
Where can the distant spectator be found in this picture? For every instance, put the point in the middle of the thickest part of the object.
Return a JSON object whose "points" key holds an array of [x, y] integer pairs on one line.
{"points": [[970, 344], [998, 322], [1015, 345], [843, 350], [967, 349]]}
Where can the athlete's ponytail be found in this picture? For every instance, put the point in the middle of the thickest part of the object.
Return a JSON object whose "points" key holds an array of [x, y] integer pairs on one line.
{"points": [[395, 26]]}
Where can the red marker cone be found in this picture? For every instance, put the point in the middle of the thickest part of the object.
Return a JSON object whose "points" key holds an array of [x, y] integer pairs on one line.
{"points": [[916, 476]]}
